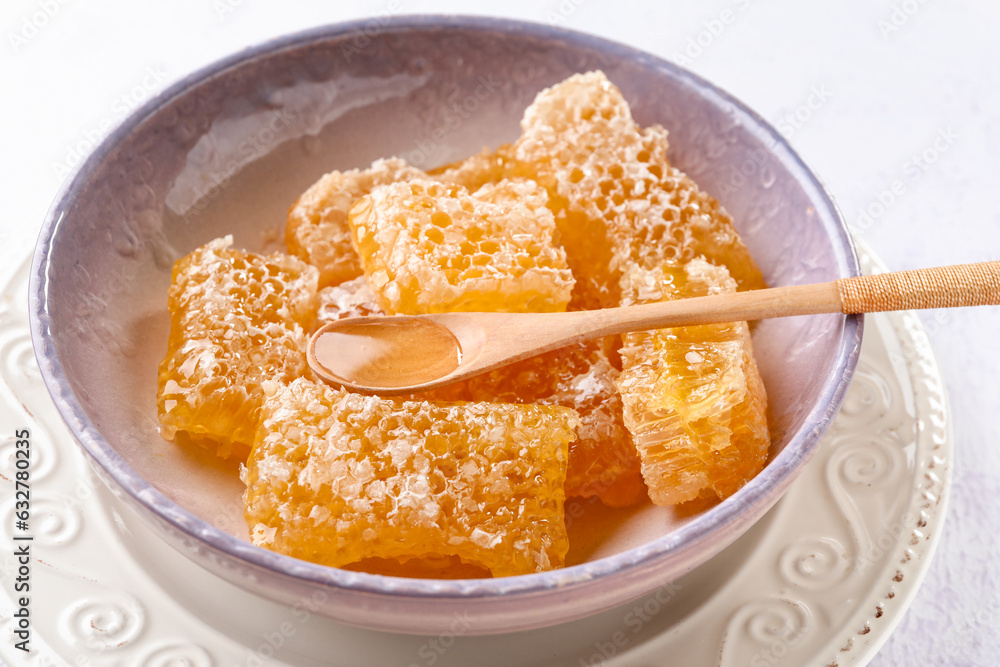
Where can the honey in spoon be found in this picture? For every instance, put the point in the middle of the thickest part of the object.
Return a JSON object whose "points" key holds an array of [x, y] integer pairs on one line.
{"points": [[385, 352]]}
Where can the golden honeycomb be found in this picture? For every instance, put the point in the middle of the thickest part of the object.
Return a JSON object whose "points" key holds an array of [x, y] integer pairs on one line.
{"points": [[693, 397], [316, 230], [237, 318], [429, 247], [337, 478], [351, 298], [616, 199], [603, 461]]}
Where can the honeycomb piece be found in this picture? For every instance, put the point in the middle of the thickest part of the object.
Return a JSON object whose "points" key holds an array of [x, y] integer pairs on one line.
{"points": [[476, 170], [616, 199], [336, 478], [316, 230], [352, 298], [428, 247], [693, 397], [236, 319], [603, 461]]}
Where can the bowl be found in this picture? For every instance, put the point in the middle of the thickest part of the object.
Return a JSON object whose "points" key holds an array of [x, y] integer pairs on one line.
{"points": [[227, 149]]}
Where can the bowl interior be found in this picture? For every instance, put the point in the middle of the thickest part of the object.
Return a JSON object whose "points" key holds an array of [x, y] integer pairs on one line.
{"points": [[228, 150]]}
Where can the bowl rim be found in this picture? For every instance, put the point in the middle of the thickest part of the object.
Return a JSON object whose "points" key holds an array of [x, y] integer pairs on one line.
{"points": [[762, 491]]}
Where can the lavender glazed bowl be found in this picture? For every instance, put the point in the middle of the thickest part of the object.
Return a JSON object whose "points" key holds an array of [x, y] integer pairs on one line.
{"points": [[227, 149]]}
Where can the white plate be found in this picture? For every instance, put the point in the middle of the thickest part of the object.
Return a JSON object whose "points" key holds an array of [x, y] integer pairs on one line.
{"points": [[822, 579]]}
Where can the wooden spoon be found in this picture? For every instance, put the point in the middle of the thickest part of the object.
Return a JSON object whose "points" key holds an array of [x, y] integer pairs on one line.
{"points": [[402, 354]]}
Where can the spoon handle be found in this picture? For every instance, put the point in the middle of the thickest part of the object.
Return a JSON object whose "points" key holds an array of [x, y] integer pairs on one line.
{"points": [[941, 287]]}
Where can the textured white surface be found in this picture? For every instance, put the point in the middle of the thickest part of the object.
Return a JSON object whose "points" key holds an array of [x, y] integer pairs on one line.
{"points": [[893, 100]]}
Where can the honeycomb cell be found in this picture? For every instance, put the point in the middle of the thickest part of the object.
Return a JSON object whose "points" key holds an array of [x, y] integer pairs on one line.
{"points": [[603, 460], [337, 478], [237, 318], [429, 247], [693, 397], [616, 199], [316, 230]]}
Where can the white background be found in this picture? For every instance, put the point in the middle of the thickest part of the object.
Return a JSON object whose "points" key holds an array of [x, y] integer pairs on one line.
{"points": [[896, 105]]}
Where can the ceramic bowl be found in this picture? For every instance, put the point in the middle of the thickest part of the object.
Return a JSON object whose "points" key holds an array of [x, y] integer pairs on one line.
{"points": [[227, 149]]}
